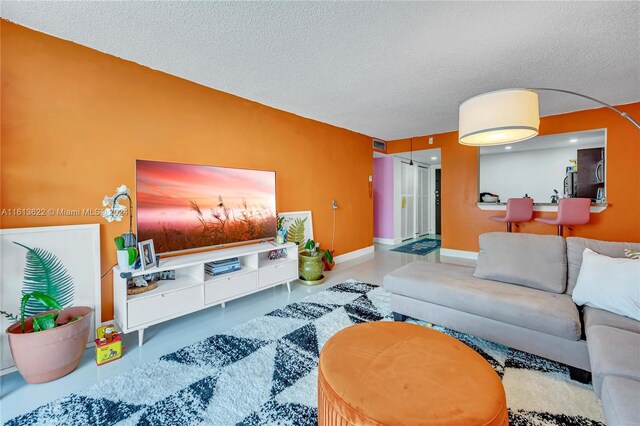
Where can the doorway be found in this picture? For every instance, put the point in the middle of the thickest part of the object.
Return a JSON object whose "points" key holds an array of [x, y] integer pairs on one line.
{"points": [[404, 186], [419, 196]]}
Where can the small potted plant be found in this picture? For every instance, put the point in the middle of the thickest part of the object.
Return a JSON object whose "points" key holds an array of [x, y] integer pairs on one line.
{"points": [[49, 345], [312, 264], [127, 256]]}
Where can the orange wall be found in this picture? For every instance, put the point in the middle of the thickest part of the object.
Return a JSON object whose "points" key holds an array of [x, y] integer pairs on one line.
{"points": [[74, 120], [463, 221]]}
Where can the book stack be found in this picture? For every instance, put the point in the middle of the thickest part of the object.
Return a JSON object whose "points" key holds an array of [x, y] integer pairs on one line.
{"points": [[220, 267]]}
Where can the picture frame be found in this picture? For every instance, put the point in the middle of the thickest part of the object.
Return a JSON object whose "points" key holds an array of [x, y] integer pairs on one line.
{"points": [[77, 247], [301, 220], [147, 254]]}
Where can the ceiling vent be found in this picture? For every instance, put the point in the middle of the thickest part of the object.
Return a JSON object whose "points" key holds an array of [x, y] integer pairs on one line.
{"points": [[379, 145]]}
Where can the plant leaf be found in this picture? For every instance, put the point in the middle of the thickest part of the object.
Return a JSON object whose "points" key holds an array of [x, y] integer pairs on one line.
{"points": [[45, 273], [119, 242], [295, 232], [9, 316], [45, 299], [133, 255], [328, 256], [44, 322], [36, 326]]}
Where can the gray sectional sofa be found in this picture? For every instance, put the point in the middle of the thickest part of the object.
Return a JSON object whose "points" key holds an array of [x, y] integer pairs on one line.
{"points": [[519, 295]]}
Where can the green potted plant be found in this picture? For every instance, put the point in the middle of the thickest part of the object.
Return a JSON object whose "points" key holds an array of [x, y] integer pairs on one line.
{"points": [[311, 263], [47, 345]]}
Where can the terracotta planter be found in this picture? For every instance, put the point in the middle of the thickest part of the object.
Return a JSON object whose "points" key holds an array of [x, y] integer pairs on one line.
{"points": [[48, 355], [310, 267]]}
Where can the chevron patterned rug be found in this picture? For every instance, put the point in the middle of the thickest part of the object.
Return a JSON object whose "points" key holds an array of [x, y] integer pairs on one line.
{"points": [[264, 372]]}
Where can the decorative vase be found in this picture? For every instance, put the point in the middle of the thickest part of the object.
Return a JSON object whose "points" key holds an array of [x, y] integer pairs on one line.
{"points": [[127, 259], [310, 266], [47, 355]]}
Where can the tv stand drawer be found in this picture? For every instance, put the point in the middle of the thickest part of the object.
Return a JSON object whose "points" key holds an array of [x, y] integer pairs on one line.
{"points": [[164, 305], [224, 288], [277, 273]]}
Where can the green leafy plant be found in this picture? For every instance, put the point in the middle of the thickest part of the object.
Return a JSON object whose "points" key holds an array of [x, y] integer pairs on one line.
{"points": [[46, 321], [295, 232], [280, 223], [310, 245], [44, 273], [327, 255]]}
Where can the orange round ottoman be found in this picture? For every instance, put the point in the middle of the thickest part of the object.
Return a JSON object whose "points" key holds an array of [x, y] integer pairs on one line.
{"points": [[394, 373]]}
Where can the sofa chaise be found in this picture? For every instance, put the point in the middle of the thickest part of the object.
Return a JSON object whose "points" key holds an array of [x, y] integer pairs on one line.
{"points": [[519, 295]]}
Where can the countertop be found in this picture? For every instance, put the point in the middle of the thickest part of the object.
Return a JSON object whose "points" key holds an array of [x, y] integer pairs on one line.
{"points": [[540, 204], [538, 207]]}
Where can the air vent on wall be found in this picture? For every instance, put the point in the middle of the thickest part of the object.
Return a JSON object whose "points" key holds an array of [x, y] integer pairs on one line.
{"points": [[379, 145]]}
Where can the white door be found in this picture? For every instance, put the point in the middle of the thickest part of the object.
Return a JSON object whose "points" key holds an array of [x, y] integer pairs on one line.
{"points": [[408, 196], [422, 201]]}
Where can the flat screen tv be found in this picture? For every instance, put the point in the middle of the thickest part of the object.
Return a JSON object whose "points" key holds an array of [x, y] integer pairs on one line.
{"points": [[187, 206]]}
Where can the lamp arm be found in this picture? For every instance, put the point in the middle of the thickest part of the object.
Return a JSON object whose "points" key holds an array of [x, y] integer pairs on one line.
{"points": [[623, 114], [130, 209]]}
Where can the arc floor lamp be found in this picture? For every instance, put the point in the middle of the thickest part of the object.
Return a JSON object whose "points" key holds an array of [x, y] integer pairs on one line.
{"points": [[508, 116]]}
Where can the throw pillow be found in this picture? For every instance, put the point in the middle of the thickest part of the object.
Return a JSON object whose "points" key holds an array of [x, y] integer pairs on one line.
{"points": [[609, 283], [632, 254]]}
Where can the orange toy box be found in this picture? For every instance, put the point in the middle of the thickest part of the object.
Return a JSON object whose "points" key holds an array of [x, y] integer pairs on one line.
{"points": [[108, 344]]}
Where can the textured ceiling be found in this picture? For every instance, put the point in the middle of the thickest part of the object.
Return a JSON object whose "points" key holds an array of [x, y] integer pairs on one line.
{"points": [[385, 69]]}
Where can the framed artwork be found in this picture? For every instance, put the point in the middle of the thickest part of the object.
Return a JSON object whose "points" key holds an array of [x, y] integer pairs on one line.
{"points": [[147, 254], [68, 255], [299, 226]]}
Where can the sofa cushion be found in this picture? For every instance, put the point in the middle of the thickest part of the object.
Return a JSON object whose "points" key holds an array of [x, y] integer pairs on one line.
{"points": [[575, 247], [613, 352], [455, 287], [621, 400], [595, 316], [536, 261]]}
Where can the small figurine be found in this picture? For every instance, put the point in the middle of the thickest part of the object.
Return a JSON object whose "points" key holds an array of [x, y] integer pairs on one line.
{"points": [[109, 332], [273, 255]]}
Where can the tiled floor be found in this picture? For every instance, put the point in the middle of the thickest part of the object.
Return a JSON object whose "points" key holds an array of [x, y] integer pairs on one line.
{"points": [[17, 397]]}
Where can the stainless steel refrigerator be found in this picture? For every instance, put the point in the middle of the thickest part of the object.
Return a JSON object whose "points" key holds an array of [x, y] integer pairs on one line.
{"points": [[571, 184]]}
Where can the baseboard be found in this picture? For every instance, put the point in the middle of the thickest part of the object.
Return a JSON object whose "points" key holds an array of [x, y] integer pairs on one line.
{"points": [[387, 241], [353, 254], [473, 255]]}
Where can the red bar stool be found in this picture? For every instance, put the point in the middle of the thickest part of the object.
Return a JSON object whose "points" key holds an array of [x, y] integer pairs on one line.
{"points": [[518, 210], [571, 211]]}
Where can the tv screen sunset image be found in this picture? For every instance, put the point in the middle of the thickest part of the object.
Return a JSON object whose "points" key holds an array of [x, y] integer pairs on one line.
{"points": [[185, 206]]}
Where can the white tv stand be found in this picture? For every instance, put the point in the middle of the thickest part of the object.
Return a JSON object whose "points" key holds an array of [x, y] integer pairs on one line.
{"points": [[193, 289]]}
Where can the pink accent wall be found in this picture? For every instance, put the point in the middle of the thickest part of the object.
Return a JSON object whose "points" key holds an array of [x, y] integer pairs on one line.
{"points": [[383, 197]]}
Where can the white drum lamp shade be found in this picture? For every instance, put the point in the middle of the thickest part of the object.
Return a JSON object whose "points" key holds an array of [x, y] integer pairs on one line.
{"points": [[498, 118]]}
